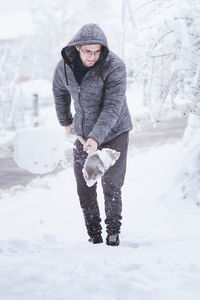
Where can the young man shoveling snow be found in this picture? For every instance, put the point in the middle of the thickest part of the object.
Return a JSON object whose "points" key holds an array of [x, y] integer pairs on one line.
{"points": [[96, 80]]}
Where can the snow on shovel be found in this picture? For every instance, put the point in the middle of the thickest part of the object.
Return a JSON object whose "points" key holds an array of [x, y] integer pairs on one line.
{"points": [[97, 163]]}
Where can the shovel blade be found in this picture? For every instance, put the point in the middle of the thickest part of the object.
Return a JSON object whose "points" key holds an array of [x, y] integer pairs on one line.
{"points": [[98, 163]]}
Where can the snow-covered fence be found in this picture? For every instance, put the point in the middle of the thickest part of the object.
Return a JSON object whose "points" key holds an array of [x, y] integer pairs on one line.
{"points": [[29, 96]]}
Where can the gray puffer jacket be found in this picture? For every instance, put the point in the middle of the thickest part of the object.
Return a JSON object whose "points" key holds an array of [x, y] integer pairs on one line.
{"points": [[101, 110]]}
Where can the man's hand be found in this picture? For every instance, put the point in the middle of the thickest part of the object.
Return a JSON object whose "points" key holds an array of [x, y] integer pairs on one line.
{"points": [[90, 145], [69, 129]]}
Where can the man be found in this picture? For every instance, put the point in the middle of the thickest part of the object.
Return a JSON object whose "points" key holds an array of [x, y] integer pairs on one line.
{"points": [[96, 80]]}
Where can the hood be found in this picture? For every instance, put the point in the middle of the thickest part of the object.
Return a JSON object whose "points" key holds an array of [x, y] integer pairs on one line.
{"points": [[89, 34]]}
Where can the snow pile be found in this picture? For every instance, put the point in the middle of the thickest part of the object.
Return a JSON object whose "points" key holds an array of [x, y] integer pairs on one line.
{"points": [[97, 163], [191, 159]]}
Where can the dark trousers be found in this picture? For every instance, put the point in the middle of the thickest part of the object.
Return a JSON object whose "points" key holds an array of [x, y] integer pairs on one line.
{"points": [[112, 182]]}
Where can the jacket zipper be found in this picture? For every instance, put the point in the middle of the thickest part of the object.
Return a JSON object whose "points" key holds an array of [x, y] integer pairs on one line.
{"points": [[79, 94]]}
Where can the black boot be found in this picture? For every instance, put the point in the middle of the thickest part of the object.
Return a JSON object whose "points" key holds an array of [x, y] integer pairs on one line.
{"points": [[96, 239], [113, 239]]}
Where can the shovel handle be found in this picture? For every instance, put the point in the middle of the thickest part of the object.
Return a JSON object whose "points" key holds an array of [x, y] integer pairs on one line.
{"points": [[81, 139], [83, 142]]}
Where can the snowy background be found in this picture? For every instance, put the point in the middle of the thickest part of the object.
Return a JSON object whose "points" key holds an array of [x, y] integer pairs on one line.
{"points": [[44, 253]]}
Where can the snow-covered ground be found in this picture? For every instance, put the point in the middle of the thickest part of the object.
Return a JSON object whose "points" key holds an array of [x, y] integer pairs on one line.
{"points": [[44, 253]]}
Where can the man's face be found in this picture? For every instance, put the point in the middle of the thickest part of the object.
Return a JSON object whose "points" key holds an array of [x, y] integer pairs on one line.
{"points": [[89, 54]]}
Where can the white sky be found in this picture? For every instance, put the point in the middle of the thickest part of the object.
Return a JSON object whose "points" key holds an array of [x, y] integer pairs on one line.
{"points": [[10, 6]]}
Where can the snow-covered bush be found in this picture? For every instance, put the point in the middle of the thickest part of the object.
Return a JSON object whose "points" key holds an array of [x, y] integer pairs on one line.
{"points": [[191, 159], [161, 49]]}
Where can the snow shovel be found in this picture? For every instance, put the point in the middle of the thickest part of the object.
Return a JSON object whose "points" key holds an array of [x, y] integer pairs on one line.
{"points": [[40, 149], [97, 163]]}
